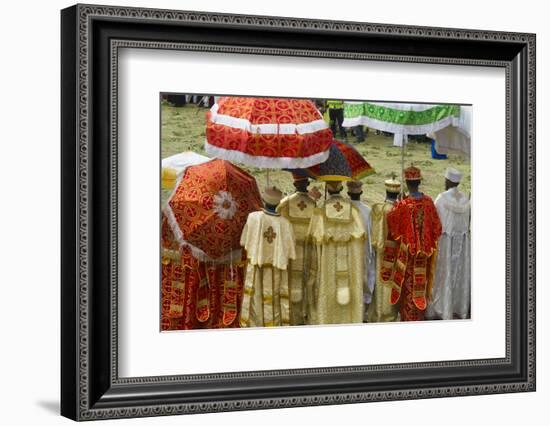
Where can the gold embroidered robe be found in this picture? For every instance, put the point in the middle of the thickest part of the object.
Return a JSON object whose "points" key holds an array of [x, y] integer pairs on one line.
{"points": [[337, 234], [269, 243], [298, 209], [381, 309]]}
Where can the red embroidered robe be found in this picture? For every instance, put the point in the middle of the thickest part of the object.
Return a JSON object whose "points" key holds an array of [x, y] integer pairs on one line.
{"points": [[197, 294], [415, 224]]}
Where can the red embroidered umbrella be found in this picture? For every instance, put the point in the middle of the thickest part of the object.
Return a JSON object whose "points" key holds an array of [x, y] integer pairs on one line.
{"points": [[267, 132], [208, 209]]}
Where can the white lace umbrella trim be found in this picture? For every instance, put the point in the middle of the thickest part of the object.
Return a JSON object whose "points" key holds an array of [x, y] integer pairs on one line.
{"points": [[265, 162], [267, 128]]}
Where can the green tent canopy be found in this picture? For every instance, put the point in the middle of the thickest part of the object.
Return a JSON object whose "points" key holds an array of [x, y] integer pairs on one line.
{"points": [[402, 119]]}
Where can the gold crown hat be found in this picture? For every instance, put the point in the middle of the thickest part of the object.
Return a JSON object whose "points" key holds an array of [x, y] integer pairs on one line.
{"points": [[412, 173], [393, 185], [334, 185], [354, 186], [272, 195]]}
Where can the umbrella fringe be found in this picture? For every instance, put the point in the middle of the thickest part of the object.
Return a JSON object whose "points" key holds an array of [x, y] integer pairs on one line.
{"points": [[266, 162]]}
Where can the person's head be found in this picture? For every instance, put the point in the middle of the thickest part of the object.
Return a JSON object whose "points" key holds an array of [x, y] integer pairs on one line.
{"points": [[413, 185], [334, 187], [391, 195], [354, 189], [450, 184], [301, 184], [413, 177], [452, 178]]}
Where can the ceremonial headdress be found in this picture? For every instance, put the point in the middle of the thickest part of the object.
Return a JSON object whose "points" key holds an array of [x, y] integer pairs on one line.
{"points": [[393, 185], [412, 173], [354, 186], [453, 175], [272, 195], [334, 186]]}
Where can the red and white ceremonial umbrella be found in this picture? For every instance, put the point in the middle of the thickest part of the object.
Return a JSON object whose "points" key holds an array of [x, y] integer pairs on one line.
{"points": [[267, 132], [209, 207]]}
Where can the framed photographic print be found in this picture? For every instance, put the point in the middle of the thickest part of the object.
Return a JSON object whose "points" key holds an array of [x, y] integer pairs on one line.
{"points": [[263, 212]]}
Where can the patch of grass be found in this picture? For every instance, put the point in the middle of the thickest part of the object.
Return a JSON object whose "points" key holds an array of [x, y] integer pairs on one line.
{"points": [[183, 129]]}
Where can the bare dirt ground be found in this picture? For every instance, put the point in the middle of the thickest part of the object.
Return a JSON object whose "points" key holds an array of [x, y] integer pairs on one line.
{"points": [[183, 129]]}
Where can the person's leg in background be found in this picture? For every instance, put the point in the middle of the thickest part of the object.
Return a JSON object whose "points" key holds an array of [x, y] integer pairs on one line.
{"points": [[359, 134], [340, 119], [332, 119]]}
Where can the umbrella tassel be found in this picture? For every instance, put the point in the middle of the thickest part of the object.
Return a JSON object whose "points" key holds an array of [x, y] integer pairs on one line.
{"points": [[229, 307]]}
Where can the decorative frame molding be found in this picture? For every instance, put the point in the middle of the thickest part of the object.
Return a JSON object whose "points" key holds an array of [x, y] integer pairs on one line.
{"points": [[91, 38]]}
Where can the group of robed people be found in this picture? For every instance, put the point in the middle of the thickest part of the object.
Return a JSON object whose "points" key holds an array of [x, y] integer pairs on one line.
{"points": [[309, 259]]}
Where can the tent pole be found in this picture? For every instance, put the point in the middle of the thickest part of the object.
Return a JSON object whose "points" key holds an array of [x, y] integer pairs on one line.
{"points": [[404, 139]]}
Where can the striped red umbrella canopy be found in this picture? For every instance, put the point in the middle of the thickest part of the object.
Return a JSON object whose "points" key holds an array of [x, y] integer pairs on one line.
{"points": [[208, 209], [344, 163], [267, 132]]}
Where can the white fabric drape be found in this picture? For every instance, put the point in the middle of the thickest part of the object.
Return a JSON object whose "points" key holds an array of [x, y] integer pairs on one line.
{"points": [[456, 139], [370, 262], [181, 161], [451, 288]]}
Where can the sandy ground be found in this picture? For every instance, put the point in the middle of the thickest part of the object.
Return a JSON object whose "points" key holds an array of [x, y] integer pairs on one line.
{"points": [[183, 129]]}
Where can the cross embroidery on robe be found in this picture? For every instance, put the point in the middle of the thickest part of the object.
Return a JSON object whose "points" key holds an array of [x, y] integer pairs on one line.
{"points": [[301, 205], [338, 206], [270, 235]]}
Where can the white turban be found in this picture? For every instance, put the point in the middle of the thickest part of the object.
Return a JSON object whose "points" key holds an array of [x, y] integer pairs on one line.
{"points": [[453, 175]]}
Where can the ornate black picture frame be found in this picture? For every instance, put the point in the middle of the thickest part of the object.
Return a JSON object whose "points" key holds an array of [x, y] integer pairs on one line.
{"points": [[91, 37]]}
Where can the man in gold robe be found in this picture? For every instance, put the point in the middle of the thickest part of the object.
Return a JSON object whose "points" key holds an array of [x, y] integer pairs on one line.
{"points": [[298, 209], [337, 236], [381, 309], [268, 239]]}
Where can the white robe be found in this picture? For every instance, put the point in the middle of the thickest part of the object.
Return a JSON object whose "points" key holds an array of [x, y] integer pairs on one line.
{"points": [[370, 261], [269, 243], [451, 287]]}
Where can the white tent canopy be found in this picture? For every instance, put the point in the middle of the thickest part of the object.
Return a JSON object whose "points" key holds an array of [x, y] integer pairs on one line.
{"points": [[180, 162]]}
